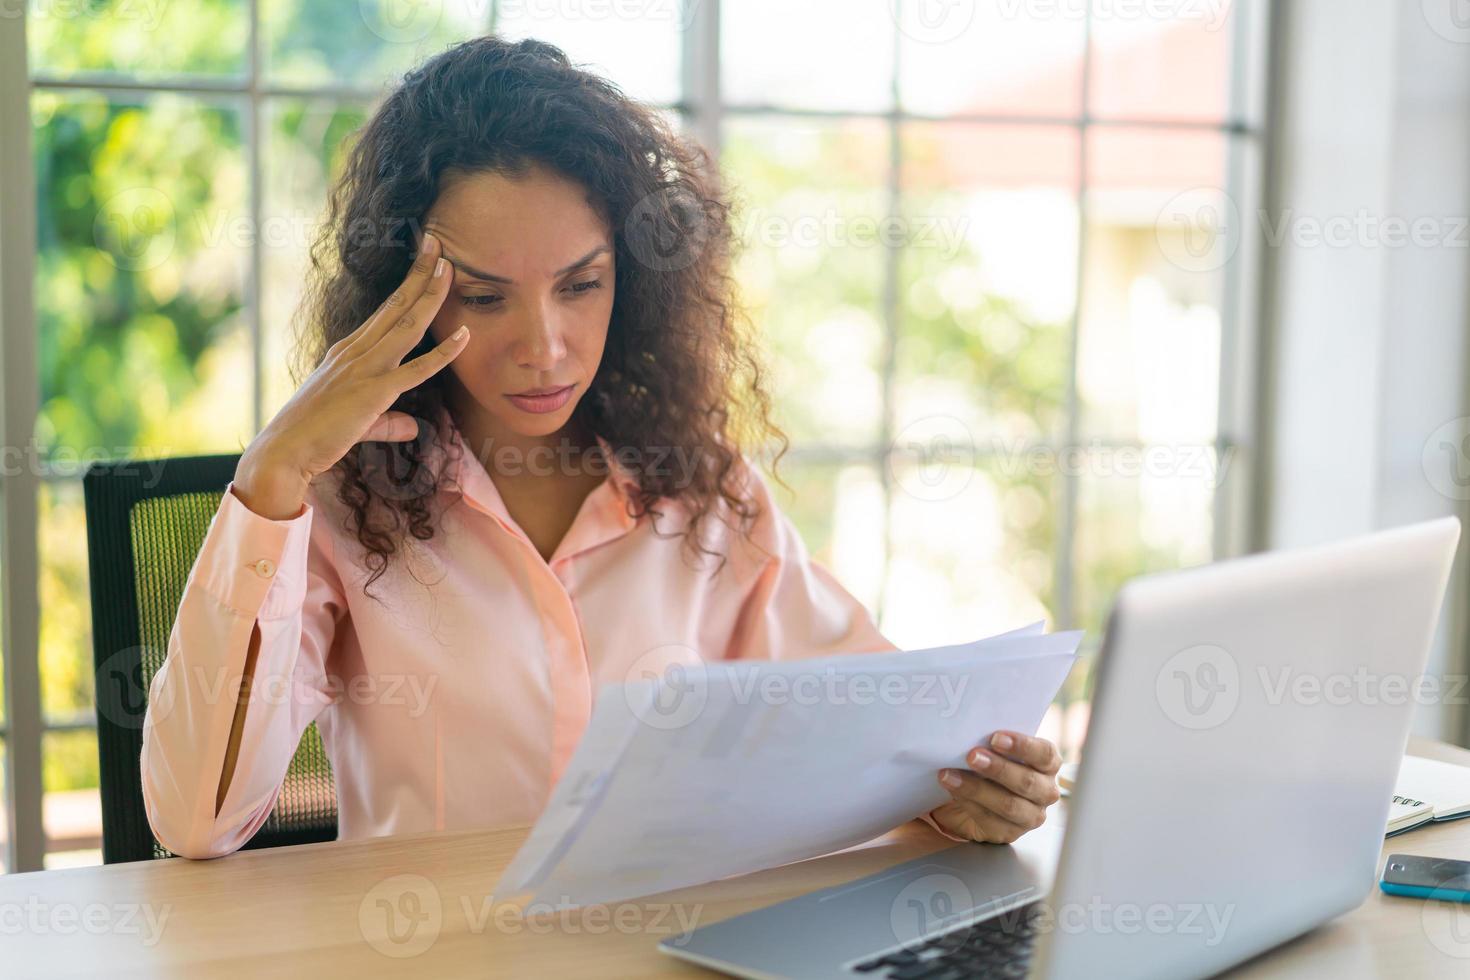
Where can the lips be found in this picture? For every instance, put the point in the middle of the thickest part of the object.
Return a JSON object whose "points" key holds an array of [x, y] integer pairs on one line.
{"points": [[549, 399]]}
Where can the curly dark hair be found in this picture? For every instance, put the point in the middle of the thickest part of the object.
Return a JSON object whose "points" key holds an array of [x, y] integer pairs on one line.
{"points": [[681, 371]]}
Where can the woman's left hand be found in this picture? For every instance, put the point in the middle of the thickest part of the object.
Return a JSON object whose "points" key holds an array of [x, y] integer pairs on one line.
{"points": [[1005, 792]]}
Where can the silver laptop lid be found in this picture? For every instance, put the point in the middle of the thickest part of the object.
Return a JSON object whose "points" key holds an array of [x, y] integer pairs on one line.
{"points": [[1248, 725]]}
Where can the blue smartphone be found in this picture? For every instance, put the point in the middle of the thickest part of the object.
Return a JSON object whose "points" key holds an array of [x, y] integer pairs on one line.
{"points": [[1426, 877]]}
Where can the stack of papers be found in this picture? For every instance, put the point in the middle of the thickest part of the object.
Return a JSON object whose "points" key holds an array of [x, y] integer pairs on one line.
{"points": [[730, 768]]}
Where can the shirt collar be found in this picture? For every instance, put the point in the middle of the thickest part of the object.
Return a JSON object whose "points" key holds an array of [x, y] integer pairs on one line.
{"points": [[471, 480]]}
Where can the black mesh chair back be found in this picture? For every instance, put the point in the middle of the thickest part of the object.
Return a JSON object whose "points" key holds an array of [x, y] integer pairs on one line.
{"points": [[146, 521]]}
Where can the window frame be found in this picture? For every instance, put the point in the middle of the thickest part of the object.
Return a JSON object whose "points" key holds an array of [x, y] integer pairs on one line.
{"points": [[703, 110]]}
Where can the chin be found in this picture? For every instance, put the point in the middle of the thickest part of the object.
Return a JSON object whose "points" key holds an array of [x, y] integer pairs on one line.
{"points": [[527, 424]]}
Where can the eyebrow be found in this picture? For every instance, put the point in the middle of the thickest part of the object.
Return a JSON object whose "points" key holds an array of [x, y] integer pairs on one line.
{"points": [[474, 273]]}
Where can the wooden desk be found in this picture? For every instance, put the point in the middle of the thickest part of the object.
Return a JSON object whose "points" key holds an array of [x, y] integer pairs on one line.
{"points": [[314, 910]]}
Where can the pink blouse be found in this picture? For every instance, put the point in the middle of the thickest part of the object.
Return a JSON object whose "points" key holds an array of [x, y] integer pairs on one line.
{"points": [[455, 702]]}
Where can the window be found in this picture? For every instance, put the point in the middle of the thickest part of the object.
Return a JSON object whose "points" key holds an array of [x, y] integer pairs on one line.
{"points": [[979, 239], [990, 246]]}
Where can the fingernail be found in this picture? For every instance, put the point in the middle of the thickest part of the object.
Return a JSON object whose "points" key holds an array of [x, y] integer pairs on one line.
{"points": [[949, 779], [438, 268], [979, 759], [429, 239], [1002, 742], [461, 333]]}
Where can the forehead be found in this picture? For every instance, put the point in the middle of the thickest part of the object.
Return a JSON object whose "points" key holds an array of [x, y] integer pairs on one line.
{"points": [[519, 226]]}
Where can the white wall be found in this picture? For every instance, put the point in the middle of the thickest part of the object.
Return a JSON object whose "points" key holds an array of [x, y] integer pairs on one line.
{"points": [[1369, 330]]}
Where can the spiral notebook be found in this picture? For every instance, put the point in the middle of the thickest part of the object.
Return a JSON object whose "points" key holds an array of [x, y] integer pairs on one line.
{"points": [[1428, 791]]}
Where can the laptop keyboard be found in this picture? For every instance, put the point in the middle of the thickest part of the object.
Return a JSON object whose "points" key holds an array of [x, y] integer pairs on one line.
{"points": [[997, 947]]}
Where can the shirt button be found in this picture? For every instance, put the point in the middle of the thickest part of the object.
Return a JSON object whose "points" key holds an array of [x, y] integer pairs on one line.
{"points": [[265, 568]]}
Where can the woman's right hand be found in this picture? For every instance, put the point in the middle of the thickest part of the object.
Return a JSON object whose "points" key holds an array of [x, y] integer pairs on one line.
{"points": [[346, 400]]}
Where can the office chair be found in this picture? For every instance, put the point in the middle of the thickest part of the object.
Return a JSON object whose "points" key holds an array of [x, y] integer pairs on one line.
{"points": [[146, 521]]}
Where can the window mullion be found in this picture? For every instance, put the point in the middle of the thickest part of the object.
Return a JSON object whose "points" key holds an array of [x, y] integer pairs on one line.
{"points": [[700, 72], [19, 402], [254, 120], [1065, 610], [891, 313]]}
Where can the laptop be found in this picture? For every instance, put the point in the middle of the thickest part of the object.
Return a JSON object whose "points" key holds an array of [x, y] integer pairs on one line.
{"points": [[1248, 723]]}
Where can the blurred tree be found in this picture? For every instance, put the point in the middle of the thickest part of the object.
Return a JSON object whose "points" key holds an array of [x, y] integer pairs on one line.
{"points": [[144, 245]]}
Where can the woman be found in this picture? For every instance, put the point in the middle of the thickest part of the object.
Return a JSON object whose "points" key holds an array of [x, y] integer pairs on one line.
{"points": [[440, 567]]}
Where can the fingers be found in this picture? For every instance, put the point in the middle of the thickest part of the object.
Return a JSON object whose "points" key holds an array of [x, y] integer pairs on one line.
{"points": [[1006, 794], [976, 823], [394, 341], [401, 300], [980, 794], [415, 372], [1038, 787], [392, 427], [1037, 753]]}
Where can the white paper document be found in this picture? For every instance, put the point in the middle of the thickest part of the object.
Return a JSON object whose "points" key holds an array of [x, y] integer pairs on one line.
{"points": [[725, 769]]}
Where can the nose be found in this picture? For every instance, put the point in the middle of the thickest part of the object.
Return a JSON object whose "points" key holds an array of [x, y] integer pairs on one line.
{"points": [[539, 344]]}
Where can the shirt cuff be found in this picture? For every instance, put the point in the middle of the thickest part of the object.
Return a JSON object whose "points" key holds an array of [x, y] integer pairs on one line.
{"points": [[244, 554], [928, 818]]}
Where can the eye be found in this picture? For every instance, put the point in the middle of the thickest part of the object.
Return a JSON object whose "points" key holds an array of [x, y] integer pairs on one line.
{"points": [[587, 286], [483, 302]]}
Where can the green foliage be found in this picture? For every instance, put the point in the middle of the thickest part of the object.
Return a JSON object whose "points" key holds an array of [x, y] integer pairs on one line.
{"points": [[137, 38], [144, 242], [137, 277], [70, 761]]}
